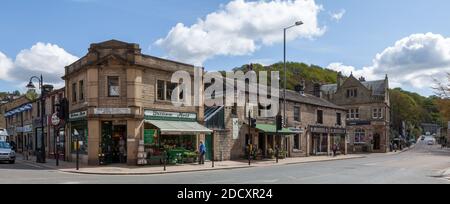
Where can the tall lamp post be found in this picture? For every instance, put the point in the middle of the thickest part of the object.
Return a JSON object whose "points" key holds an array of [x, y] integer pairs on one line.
{"points": [[298, 23], [40, 157]]}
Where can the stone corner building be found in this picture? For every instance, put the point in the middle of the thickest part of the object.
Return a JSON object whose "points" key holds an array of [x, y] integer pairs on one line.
{"points": [[368, 116], [120, 101]]}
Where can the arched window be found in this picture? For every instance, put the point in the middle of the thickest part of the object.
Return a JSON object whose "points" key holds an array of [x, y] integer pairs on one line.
{"points": [[359, 135]]}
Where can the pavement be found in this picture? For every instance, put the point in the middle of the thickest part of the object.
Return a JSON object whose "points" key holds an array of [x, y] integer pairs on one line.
{"points": [[122, 169], [422, 164]]}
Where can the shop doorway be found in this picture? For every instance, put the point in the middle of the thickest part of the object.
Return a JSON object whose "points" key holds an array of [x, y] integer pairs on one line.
{"points": [[376, 142], [114, 144], [262, 144]]}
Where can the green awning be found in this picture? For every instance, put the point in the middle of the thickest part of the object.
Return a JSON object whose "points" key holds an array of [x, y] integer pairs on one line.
{"points": [[272, 129], [179, 127]]}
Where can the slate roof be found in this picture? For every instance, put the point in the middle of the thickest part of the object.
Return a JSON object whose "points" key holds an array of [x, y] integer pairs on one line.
{"points": [[378, 87]]}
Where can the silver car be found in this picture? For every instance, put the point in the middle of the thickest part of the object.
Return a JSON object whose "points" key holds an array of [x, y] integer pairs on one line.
{"points": [[6, 153]]}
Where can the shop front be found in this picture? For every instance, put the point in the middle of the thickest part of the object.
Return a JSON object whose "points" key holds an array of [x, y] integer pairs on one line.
{"points": [[320, 139], [175, 135], [78, 131], [269, 140], [324, 138]]}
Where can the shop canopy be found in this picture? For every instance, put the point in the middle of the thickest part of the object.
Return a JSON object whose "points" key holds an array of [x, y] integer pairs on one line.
{"points": [[179, 127], [20, 109], [272, 129]]}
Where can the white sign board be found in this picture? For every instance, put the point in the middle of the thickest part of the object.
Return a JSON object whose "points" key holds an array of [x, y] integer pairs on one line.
{"points": [[173, 115], [77, 115], [112, 111], [235, 128]]}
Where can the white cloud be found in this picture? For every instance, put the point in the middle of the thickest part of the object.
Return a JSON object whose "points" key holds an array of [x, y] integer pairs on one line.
{"points": [[413, 62], [240, 28], [338, 15], [6, 65], [346, 70], [46, 59]]}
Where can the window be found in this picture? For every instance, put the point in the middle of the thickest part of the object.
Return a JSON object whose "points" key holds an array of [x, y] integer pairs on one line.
{"points": [[320, 116], [160, 90], [81, 86], [113, 86], [297, 142], [377, 113], [352, 93], [338, 119], [359, 136], [297, 114], [353, 114], [169, 90], [74, 92]]}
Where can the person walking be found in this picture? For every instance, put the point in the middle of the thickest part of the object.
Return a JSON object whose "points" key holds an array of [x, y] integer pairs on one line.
{"points": [[395, 147], [202, 152], [334, 150]]}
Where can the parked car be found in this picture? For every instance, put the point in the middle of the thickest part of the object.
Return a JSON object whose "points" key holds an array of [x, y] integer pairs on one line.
{"points": [[6, 153]]}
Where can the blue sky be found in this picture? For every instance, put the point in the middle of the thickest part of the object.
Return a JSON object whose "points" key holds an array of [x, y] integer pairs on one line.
{"points": [[350, 44]]}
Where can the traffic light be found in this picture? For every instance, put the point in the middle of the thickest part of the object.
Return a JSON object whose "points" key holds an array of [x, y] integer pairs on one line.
{"points": [[253, 123], [279, 122]]}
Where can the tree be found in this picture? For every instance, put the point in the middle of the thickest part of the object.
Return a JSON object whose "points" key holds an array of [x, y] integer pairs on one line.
{"points": [[442, 89], [31, 95], [16, 93]]}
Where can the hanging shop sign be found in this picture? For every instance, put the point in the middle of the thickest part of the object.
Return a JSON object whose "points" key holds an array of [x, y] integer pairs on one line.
{"points": [[78, 115], [55, 119], [112, 111], [163, 115]]}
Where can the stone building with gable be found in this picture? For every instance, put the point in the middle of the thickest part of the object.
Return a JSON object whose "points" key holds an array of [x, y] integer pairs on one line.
{"points": [[368, 111]]}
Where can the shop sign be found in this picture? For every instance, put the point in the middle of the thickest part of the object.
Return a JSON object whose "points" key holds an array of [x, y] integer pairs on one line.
{"points": [[112, 111], [338, 130], [235, 128], [316, 129], [78, 115], [27, 128], [55, 119], [163, 115]]}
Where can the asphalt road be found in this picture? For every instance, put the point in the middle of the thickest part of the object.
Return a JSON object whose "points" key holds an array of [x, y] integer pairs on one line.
{"points": [[421, 165]]}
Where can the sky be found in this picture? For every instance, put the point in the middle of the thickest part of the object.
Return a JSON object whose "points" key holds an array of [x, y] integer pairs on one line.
{"points": [[407, 39]]}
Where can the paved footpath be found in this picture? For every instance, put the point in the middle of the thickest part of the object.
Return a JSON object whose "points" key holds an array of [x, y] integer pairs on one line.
{"points": [[121, 169]]}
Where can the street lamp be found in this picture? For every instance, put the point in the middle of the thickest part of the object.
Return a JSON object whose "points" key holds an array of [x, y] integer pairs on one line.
{"points": [[40, 157], [298, 23]]}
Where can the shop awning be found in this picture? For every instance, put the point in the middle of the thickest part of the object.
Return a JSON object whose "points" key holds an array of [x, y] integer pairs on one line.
{"points": [[179, 127], [272, 129]]}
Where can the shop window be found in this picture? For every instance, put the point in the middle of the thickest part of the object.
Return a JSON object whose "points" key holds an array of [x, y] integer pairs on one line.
{"points": [[297, 142], [81, 129], [81, 87], [74, 92], [320, 116], [359, 136], [297, 114], [113, 86]]}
